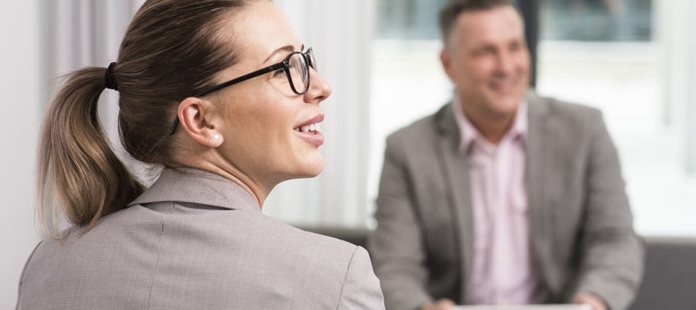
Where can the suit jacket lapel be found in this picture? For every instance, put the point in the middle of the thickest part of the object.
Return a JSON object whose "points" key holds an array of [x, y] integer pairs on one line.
{"points": [[539, 157], [455, 168]]}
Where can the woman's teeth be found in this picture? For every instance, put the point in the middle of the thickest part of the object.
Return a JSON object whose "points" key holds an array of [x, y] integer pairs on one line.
{"points": [[308, 128]]}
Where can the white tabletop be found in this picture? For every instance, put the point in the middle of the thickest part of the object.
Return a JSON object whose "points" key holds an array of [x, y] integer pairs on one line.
{"points": [[526, 307]]}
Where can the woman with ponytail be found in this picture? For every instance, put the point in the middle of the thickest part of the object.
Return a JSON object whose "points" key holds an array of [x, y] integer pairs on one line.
{"points": [[225, 97]]}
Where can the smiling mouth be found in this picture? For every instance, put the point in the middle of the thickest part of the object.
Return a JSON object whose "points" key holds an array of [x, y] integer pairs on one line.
{"points": [[310, 133], [311, 128]]}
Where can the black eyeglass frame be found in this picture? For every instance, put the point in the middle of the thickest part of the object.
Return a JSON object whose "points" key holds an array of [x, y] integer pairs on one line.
{"points": [[284, 65]]}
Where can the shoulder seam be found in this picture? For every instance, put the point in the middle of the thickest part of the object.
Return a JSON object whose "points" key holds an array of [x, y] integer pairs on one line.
{"points": [[24, 270], [345, 277], [154, 269]]}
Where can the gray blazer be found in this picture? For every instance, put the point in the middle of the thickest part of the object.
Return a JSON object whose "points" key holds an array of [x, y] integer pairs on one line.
{"points": [[195, 240], [581, 229]]}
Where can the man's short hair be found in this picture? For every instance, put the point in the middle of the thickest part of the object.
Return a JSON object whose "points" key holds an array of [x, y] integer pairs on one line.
{"points": [[454, 8]]}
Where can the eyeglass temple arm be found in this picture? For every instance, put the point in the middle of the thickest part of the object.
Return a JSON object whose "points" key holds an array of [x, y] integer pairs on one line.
{"points": [[245, 77], [242, 78]]}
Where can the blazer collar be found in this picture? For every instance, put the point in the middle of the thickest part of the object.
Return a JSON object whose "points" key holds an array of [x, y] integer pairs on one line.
{"points": [[455, 170], [445, 122], [199, 187], [537, 110]]}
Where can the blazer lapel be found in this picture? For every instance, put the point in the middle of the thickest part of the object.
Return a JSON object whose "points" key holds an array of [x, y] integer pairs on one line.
{"points": [[539, 158], [454, 166]]}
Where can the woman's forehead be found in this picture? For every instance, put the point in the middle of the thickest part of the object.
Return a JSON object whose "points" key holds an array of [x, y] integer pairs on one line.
{"points": [[261, 29]]}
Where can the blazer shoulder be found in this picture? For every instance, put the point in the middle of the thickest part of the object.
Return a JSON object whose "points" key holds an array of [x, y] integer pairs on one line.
{"points": [[422, 129], [566, 117], [315, 242], [361, 288], [24, 273], [565, 110], [339, 263]]}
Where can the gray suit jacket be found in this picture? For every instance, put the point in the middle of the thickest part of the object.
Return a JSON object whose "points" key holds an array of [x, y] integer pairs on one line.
{"points": [[581, 228], [195, 240]]}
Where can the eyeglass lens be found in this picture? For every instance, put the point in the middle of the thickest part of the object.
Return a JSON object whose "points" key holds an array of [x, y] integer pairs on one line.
{"points": [[299, 72]]}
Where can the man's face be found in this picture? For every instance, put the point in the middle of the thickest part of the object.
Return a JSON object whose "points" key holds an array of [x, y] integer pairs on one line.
{"points": [[486, 57]]}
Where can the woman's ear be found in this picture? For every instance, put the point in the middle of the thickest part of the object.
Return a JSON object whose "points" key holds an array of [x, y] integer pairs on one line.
{"points": [[195, 117]]}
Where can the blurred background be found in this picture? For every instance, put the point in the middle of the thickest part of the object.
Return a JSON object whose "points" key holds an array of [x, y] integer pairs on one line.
{"points": [[633, 59]]}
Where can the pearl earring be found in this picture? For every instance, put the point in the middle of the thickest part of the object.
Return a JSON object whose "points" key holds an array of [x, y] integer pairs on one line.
{"points": [[216, 136]]}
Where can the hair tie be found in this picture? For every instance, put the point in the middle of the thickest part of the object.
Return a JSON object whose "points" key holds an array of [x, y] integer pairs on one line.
{"points": [[110, 78]]}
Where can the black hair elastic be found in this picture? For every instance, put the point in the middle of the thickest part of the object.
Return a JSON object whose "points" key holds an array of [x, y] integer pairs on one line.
{"points": [[110, 78]]}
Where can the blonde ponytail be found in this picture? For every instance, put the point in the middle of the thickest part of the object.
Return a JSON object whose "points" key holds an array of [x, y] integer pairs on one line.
{"points": [[171, 50], [79, 174]]}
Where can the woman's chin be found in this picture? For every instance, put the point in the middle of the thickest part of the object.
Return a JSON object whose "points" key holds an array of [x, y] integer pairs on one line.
{"points": [[302, 170], [315, 169], [312, 168]]}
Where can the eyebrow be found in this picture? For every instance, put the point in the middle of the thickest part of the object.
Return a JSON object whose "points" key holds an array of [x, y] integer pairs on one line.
{"points": [[287, 49]]}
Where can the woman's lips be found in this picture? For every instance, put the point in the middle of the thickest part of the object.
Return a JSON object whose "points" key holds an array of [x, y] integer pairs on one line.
{"points": [[313, 137], [310, 130]]}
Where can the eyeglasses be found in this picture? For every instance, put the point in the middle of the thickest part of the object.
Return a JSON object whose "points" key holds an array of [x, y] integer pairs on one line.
{"points": [[296, 67]]}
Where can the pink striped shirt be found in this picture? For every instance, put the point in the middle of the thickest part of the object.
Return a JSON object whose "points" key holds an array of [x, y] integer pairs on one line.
{"points": [[503, 271]]}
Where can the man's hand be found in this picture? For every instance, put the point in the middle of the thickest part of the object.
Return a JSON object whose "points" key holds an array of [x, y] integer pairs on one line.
{"points": [[442, 304], [595, 302]]}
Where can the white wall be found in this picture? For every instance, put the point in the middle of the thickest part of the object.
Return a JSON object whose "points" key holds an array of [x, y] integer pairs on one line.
{"points": [[340, 32], [21, 105]]}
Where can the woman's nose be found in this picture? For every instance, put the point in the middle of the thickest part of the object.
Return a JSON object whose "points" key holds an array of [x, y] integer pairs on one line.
{"points": [[319, 88]]}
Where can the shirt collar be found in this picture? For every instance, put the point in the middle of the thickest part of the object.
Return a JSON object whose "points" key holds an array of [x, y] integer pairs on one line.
{"points": [[469, 134], [199, 187]]}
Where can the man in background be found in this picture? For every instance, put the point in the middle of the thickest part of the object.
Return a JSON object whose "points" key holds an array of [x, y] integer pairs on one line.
{"points": [[502, 196]]}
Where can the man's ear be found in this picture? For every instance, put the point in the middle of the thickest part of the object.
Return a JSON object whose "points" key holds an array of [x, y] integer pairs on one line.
{"points": [[195, 119], [446, 61]]}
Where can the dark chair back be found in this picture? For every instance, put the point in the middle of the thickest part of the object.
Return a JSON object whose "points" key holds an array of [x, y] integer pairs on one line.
{"points": [[669, 280]]}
